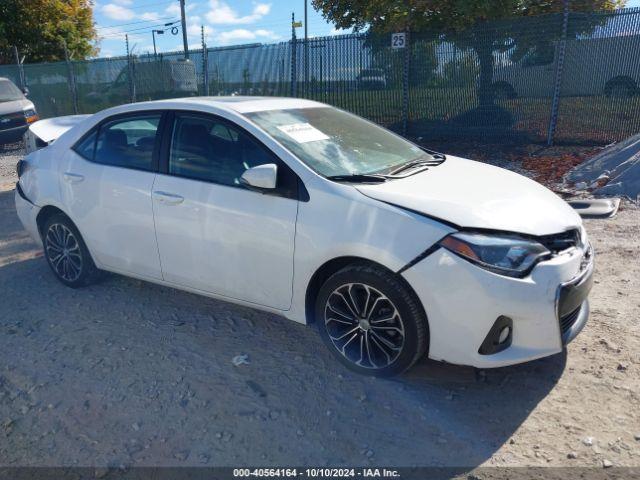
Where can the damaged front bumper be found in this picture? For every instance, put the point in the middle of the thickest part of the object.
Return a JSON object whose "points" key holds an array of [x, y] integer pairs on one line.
{"points": [[463, 302]]}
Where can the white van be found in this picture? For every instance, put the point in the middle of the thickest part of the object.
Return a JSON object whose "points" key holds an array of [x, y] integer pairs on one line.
{"points": [[608, 66]]}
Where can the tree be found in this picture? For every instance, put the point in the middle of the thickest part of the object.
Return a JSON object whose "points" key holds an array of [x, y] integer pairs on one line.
{"points": [[472, 24], [40, 29]]}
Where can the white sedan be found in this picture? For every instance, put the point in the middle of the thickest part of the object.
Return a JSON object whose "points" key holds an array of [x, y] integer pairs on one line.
{"points": [[295, 207]]}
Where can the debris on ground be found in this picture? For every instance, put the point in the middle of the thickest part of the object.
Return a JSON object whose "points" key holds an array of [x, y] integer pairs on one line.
{"points": [[240, 360], [615, 170], [596, 208]]}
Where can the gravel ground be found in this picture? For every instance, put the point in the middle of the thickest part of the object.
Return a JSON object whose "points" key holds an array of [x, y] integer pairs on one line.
{"points": [[130, 373]]}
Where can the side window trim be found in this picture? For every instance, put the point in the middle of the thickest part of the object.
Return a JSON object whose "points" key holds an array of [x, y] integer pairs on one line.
{"points": [[301, 193], [155, 159], [93, 130]]}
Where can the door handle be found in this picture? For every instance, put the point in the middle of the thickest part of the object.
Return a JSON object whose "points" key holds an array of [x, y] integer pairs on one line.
{"points": [[73, 177], [168, 198]]}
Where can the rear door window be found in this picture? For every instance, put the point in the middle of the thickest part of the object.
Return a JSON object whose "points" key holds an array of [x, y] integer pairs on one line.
{"points": [[128, 142]]}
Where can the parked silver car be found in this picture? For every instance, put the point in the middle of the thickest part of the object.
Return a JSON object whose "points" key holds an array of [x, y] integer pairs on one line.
{"points": [[16, 112]]}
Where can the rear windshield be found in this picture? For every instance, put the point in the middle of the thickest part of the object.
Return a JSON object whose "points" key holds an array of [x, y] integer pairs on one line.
{"points": [[9, 92]]}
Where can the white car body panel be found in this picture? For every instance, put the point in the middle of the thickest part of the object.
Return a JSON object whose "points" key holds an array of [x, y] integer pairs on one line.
{"points": [[225, 240], [263, 251], [474, 195], [112, 208]]}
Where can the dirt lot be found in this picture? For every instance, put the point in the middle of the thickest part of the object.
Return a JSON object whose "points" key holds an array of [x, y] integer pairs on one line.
{"points": [[130, 373]]}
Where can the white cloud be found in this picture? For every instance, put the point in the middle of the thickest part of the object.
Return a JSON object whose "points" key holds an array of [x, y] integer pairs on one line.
{"points": [[193, 31], [117, 12], [338, 31], [242, 34], [221, 13], [266, 33], [151, 16]]}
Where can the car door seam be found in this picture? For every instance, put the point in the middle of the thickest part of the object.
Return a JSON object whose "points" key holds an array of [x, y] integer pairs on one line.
{"points": [[155, 229], [293, 256]]}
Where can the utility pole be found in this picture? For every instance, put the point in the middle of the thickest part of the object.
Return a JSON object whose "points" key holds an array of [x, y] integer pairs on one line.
{"points": [[294, 42], [23, 83], [72, 78], [184, 30], [205, 62], [132, 85], [561, 49], [306, 50]]}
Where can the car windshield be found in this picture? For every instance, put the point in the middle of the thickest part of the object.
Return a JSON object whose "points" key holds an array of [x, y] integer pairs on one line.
{"points": [[333, 142], [9, 92]]}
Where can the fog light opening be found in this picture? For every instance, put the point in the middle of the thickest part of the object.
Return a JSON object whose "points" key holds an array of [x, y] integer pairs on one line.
{"points": [[499, 336]]}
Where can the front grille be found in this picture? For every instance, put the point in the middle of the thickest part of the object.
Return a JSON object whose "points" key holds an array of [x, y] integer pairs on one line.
{"points": [[561, 241], [568, 320], [12, 120]]}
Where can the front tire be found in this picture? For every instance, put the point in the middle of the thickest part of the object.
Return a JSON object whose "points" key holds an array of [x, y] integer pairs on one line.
{"points": [[66, 252], [371, 320]]}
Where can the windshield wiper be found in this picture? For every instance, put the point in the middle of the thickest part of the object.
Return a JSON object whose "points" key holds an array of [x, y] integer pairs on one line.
{"points": [[358, 178], [421, 162]]}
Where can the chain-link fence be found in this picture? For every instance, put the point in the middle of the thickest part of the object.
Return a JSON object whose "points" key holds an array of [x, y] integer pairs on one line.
{"points": [[566, 77]]}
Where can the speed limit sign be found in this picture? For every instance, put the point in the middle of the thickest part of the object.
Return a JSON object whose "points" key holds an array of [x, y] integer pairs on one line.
{"points": [[398, 40]]}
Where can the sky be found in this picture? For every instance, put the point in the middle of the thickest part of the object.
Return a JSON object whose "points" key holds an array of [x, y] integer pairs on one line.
{"points": [[230, 22]]}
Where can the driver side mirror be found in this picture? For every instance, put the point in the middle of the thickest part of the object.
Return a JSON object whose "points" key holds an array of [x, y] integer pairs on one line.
{"points": [[25, 91], [261, 177]]}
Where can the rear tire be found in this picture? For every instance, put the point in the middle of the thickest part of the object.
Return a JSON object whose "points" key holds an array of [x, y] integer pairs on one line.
{"points": [[371, 320], [66, 253]]}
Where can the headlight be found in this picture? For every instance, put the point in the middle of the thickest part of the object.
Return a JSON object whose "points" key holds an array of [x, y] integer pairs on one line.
{"points": [[504, 254], [30, 115]]}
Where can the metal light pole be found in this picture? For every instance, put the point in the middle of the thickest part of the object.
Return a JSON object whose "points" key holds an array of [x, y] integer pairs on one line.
{"points": [[153, 34], [184, 30], [160, 32]]}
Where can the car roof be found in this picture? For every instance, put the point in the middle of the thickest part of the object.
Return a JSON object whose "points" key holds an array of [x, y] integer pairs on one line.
{"points": [[239, 104]]}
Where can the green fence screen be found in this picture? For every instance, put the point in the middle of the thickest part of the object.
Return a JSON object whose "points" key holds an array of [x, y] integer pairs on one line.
{"points": [[497, 80]]}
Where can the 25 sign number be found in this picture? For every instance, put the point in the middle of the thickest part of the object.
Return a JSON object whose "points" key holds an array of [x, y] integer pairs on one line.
{"points": [[398, 40]]}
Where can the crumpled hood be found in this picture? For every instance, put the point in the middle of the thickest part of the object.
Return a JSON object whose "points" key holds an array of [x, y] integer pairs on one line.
{"points": [[475, 195], [15, 106]]}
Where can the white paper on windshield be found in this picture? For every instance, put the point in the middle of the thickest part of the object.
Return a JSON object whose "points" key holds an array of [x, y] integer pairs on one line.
{"points": [[303, 132]]}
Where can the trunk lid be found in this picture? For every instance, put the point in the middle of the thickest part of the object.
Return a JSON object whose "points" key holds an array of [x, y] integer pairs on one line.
{"points": [[43, 132]]}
